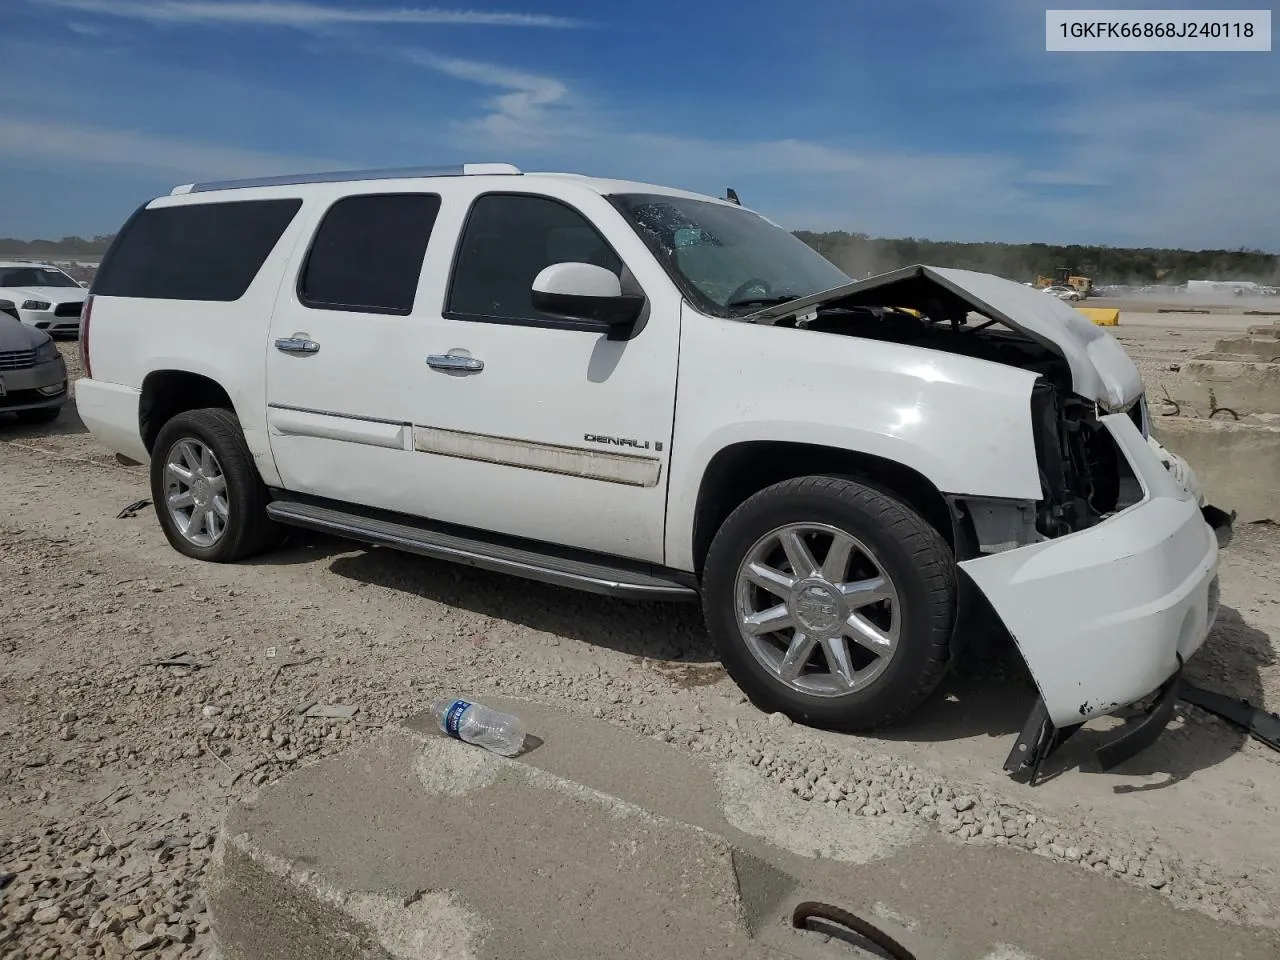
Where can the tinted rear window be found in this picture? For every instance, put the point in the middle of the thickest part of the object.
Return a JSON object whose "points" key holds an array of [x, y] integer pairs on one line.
{"points": [[205, 251], [368, 253]]}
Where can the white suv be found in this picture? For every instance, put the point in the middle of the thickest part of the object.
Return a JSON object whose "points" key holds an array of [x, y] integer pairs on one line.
{"points": [[653, 394]]}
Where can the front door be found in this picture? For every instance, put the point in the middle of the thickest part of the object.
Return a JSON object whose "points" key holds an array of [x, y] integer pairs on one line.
{"points": [[536, 426]]}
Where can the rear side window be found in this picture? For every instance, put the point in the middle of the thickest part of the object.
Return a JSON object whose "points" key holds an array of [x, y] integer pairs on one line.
{"points": [[198, 251], [367, 255]]}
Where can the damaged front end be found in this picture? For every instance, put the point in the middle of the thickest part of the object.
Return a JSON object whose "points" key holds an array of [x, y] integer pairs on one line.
{"points": [[1114, 588], [1119, 591], [1106, 582], [1106, 585], [1040, 737]]}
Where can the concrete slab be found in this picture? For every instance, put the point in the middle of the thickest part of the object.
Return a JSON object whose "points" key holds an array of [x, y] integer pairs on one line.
{"points": [[428, 849], [1252, 348], [600, 844], [1204, 386], [1237, 463]]}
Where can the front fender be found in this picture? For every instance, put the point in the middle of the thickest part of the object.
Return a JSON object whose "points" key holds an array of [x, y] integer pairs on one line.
{"points": [[963, 424]]}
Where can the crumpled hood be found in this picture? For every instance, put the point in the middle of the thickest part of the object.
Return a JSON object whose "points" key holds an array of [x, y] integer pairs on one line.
{"points": [[1100, 369], [54, 295]]}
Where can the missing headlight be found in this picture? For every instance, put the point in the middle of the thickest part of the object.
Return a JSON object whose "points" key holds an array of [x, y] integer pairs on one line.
{"points": [[1084, 476]]}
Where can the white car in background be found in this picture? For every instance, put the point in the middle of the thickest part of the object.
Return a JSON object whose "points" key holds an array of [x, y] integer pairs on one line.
{"points": [[41, 295], [1063, 293]]}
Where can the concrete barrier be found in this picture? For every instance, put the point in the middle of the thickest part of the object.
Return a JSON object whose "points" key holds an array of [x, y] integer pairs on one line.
{"points": [[1102, 316], [1237, 463], [1255, 349], [600, 844], [1204, 386]]}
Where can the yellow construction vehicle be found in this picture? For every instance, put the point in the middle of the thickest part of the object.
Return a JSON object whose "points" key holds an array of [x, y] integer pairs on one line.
{"points": [[1063, 277]]}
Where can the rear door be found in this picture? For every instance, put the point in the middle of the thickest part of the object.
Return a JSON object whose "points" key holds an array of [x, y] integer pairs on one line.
{"points": [[343, 359]]}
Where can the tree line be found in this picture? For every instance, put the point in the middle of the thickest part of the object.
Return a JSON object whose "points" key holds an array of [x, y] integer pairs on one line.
{"points": [[861, 255], [69, 247]]}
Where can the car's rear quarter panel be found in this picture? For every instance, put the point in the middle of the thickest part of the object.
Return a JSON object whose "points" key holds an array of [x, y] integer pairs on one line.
{"points": [[130, 338]]}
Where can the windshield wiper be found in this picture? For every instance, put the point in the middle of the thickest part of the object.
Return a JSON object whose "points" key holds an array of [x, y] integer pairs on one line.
{"points": [[763, 301]]}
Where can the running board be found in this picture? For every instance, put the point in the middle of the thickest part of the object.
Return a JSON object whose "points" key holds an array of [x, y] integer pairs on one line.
{"points": [[605, 576]]}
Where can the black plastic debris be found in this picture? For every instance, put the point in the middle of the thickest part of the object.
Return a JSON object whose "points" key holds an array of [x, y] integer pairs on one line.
{"points": [[183, 659], [1260, 724], [132, 509]]}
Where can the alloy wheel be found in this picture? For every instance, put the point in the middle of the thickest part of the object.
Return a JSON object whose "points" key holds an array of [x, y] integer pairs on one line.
{"points": [[196, 492], [817, 609]]}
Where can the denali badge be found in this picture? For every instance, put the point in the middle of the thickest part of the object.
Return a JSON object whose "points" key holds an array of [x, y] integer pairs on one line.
{"points": [[621, 442]]}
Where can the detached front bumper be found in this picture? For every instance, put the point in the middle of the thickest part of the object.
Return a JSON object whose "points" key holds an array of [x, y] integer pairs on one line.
{"points": [[1106, 617]]}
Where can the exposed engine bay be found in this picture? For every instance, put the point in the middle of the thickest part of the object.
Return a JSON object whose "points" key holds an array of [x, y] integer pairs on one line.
{"points": [[1084, 477]]}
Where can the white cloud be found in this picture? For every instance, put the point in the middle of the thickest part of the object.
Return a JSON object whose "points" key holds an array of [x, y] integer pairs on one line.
{"points": [[1125, 169], [287, 13], [87, 145], [1198, 170], [1118, 159], [531, 109], [539, 120], [805, 184]]}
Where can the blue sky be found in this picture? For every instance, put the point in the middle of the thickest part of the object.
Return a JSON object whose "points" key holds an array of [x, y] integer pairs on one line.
{"points": [[930, 118]]}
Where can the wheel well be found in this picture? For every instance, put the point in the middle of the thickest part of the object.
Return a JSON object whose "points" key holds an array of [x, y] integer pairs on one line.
{"points": [[743, 469], [167, 393]]}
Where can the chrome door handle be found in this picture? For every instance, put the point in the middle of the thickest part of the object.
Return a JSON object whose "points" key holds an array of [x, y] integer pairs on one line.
{"points": [[297, 345], [452, 361]]}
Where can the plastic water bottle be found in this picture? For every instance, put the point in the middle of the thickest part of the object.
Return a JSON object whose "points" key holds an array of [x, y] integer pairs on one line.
{"points": [[464, 720]]}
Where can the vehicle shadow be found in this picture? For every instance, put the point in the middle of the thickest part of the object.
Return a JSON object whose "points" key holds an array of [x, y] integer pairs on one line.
{"points": [[68, 423], [659, 631], [1228, 663], [988, 693], [303, 546]]}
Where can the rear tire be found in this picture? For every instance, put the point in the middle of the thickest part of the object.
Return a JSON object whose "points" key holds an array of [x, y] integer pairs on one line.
{"points": [[43, 415], [863, 634], [208, 495]]}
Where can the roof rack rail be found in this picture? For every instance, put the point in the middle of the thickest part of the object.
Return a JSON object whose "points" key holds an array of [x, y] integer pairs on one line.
{"points": [[342, 176]]}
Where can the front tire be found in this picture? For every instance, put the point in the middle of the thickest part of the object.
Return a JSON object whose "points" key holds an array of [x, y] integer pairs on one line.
{"points": [[208, 495], [831, 602]]}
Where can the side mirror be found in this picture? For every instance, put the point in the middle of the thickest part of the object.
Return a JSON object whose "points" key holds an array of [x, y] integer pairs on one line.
{"points": [[584, 291]]}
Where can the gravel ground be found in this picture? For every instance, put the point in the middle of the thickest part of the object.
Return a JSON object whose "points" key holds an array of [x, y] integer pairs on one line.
{"points": [[118, 768]]}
